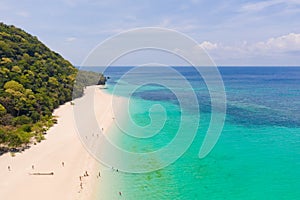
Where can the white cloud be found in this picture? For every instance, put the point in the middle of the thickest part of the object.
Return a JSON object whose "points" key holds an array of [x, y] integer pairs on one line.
{"points": [[259, 5], [71, 39], [252, 7], [275, 48], [178, 24], [290, 42], [208, 45]]}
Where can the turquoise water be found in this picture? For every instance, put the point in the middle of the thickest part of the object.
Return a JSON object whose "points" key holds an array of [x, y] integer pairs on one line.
{"points": [[257, 155]]}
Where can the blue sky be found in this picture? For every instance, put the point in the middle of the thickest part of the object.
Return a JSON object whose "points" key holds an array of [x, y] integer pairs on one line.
{"points": [[234, 32]]}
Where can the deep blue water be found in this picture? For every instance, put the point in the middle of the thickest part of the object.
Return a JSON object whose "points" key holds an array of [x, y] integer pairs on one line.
{"points": [[255, 95]]}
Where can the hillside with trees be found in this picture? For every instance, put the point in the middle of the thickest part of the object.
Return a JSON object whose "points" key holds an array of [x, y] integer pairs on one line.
{"points": [[33, 82]]}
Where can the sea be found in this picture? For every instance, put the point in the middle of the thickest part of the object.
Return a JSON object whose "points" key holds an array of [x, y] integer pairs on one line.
{"points": [[256, 156]]}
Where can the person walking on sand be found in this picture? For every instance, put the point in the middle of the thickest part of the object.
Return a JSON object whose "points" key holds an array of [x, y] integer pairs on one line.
{"points": [[8, 168], [32, 167], [63, 164]]}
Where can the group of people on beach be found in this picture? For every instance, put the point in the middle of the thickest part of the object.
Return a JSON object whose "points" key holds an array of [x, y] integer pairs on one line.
{"points": [[85, 174], [80, 177], [32, 166], [114, 169]]}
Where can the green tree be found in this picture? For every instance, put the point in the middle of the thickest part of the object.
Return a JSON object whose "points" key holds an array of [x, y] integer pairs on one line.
{"points": [[2, 110], [14, 86], [16, 69]]}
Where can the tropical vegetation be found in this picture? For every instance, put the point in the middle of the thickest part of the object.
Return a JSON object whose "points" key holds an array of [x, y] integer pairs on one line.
{"points": [[33, 82]]}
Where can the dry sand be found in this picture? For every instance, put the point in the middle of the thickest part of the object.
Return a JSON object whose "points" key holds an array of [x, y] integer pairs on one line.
{"points": [[62, 144]]}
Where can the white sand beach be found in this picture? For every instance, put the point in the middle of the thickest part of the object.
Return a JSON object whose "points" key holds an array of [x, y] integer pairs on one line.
{"points": [[61, 153]]}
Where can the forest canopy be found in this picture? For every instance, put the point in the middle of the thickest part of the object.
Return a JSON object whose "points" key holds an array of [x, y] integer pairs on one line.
{"points": [[33, 82]]}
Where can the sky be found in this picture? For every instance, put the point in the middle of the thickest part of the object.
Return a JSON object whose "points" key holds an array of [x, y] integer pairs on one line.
{"points": [[233, 32]]}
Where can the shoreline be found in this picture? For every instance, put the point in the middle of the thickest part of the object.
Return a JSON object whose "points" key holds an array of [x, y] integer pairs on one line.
{"points": [[52, 169]]}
